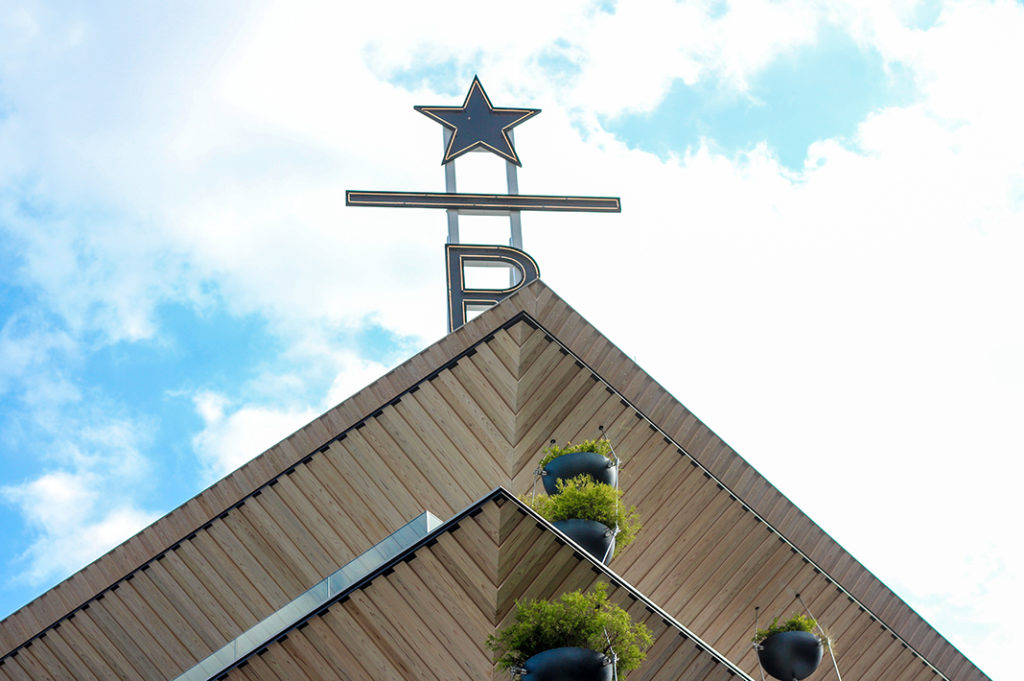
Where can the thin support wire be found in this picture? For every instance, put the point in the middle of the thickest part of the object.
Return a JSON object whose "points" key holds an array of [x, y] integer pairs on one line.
{"points": [[618, 463], [824, 636], [757, 646], [538, 472], [615, 656], [618, 467]]}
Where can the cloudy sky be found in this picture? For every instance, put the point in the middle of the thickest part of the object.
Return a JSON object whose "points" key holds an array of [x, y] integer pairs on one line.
{"points": [[819, 250]]}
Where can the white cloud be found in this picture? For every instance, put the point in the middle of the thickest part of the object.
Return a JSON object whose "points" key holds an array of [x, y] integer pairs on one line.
{"points": [[26, 345], [229, 440], [74, 523], [855, 320], [235, 432], [355, 373], [80, 500], [84, 502], [239, 183]]}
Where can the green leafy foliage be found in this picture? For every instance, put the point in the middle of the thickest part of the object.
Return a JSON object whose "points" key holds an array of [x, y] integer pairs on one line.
{"points": [[600, 446], [583, 497], [576, 619], [797, 622]]}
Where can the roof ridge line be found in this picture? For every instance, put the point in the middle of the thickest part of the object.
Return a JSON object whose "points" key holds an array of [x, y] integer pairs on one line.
{"points": [[521, 316]]}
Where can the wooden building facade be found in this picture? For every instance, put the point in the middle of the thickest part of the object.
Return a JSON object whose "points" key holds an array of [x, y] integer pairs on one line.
{"points": [[457, 431]]}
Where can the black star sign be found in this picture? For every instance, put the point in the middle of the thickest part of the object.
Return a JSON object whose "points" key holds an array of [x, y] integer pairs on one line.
{"points": [[478, 124]]}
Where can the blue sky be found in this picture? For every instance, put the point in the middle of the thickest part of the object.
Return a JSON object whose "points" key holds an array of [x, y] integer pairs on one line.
{"points": [[820, 92], [832, 196]]}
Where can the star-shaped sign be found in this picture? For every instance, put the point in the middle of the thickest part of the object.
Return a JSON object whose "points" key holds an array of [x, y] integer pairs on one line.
{"points": [[478, 124]]}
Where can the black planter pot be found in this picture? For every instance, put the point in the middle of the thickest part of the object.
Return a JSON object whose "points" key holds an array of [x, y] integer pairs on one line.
{"points": [[790, 655], [595, 537], [568, 466], [568, 664]]}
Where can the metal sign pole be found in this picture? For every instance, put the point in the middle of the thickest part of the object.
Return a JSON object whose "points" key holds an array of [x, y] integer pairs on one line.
{"points": [[449, 186], [514, 217]]}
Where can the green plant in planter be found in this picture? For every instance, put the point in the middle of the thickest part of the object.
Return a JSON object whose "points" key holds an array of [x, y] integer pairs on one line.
{"points": [[600, 446], [797, 622], [576, 619], [582, 497]]}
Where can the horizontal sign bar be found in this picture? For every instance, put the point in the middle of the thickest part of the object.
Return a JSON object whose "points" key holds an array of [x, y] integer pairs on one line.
{"points": [[484, 202]]}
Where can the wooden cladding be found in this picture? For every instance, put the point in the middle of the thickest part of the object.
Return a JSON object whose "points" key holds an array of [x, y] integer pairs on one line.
{"points": [[438, 433], [428, 617]]}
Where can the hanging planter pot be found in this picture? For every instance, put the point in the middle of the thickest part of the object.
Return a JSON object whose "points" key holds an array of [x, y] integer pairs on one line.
{"points": [[568, 664], [567, 466], [593, 458], [597, 538], [572, 638], [586, 511], [790, 655]]}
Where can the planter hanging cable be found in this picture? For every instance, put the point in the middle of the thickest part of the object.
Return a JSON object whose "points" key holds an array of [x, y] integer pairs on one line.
{"points": [[614, 656], [538, 473], [618, 467], [757, 646], [824, 637]]}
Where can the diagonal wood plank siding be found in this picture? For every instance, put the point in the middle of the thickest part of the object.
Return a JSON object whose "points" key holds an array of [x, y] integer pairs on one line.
{"points": [[430, 616], [467, 414]]}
